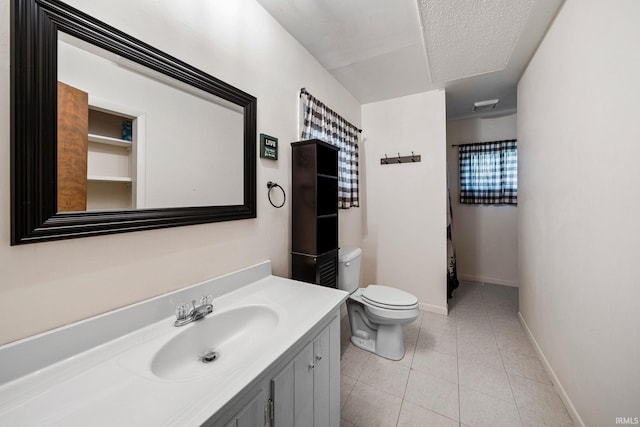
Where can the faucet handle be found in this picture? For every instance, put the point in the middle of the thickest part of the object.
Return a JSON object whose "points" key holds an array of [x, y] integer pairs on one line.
{"points": [[181, 311], [206, 299]]}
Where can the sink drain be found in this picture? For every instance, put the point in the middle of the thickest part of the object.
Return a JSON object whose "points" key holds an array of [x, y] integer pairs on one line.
{"points": [[209, 356]]}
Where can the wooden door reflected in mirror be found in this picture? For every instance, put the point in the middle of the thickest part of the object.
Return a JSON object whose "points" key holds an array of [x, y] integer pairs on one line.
{"points": [[73, 128]]}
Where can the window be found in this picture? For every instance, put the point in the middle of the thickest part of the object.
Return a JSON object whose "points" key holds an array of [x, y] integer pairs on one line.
{"points": [[319, 121], [489, 173]]}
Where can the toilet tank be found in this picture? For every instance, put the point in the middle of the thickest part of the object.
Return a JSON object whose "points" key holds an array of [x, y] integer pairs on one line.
{"points": [[349, 268]]}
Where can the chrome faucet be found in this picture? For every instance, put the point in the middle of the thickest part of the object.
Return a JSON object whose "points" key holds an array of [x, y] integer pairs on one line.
{"points": [[186, 313]]}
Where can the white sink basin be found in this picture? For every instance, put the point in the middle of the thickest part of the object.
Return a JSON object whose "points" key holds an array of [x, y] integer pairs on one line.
{"points": [[235, 336]]}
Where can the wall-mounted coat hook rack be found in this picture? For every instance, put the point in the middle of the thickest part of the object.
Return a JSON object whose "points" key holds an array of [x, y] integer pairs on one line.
{"points": [[413, 158]]}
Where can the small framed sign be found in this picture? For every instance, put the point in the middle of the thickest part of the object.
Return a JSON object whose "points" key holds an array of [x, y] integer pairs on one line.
{"points": [[268, 147]]}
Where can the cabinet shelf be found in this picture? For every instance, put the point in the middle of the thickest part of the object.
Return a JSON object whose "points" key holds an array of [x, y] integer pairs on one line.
{"points": [[112, 170], [97, 178], [100, 139], [333, 215], [323, 175]]}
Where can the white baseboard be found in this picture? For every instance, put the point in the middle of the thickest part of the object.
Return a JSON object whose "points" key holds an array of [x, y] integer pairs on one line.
{"points": [[434, 308], [556, 382], [482, 279]]}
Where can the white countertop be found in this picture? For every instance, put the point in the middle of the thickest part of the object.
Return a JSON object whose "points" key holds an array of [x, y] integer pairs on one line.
{"points": [[112, 385]]}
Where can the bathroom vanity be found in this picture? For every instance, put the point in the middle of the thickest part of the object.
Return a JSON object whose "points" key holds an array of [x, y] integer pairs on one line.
{"points": [[268, 354]]}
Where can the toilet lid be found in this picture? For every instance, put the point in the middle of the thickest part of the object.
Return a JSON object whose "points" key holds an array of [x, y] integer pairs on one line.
{"points": [[386, 296]]}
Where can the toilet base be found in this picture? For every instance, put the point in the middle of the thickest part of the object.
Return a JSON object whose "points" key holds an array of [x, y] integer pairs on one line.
{"points": [[364, 344], [386, 340], [386, 344], [390, 343]]}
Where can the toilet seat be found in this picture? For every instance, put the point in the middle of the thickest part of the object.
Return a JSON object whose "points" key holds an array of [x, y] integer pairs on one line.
{"points": [[389, 298]]}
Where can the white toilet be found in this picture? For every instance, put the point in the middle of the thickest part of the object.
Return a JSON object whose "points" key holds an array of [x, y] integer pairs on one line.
{"points": [[376, 313]]}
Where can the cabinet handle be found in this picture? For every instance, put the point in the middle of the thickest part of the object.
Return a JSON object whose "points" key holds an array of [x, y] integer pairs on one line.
{"points": [[312, 365], [318, 357]]}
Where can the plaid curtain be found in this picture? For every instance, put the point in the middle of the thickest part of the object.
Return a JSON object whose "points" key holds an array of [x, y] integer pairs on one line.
{"points": [[489, 172], [322, 123]]}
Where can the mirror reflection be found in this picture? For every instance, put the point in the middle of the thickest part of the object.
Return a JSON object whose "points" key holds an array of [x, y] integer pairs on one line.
{"points": [[129, 138]]}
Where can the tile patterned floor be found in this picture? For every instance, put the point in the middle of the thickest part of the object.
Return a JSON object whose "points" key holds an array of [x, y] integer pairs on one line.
{"points": [[475, 367]]}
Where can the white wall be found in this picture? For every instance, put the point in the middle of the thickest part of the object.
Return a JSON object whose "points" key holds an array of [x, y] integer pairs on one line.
{"points": [[404, 244], [485, 236], [236, 41], [579, 197]]}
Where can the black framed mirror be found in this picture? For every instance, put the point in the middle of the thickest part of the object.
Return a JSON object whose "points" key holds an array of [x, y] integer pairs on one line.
{"points": [[35, 212]]}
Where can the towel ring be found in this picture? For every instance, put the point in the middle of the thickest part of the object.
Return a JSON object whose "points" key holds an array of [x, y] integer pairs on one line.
{"points": [[271, 185]]}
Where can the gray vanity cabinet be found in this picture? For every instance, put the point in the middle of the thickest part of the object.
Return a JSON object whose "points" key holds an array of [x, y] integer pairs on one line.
{"points": [[283, 395], [303, 368], [307, 391], [303, 391], [321, 379], [253, 414]]}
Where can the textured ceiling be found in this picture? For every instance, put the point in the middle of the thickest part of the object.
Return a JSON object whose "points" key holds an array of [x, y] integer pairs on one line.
{"points": [[465, 38], [382, 49]]}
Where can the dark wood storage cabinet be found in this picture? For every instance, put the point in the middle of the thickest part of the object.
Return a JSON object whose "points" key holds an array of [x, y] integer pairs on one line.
{"points": [[314, 201]]}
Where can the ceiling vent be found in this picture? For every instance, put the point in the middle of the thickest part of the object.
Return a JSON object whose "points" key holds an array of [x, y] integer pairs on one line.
{"points": [[489, 104]]}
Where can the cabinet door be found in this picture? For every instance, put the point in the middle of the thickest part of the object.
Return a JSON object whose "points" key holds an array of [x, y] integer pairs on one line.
{"points": [[334, 371], [327, 266], [306, 393], [303, 385], [254, 413], [73, 124], [283, 395], [321, 379], [318, 269]]}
